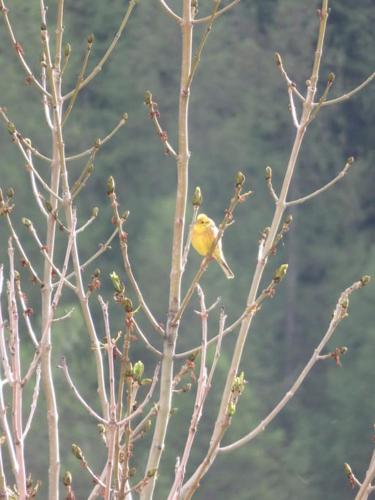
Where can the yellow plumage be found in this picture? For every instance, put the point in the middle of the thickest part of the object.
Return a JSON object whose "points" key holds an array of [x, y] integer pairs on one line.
{"points": [[203, 235]]}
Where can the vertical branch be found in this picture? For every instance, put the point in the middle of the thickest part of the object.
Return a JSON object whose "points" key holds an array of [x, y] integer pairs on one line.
{"points": [[111, 430], [46, 292], [17, 378], [202, 391], [183, 156]]}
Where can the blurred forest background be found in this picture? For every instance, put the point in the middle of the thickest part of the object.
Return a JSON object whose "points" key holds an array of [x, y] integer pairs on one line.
{"points": [[239, 121]]}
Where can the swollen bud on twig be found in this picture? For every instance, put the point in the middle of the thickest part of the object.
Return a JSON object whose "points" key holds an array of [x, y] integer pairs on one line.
{"points": [[110, 185], [67, 479], [331, 78], [280, 273], [90, 39], [197, 197], [11, 127], [95, 212], [26, 222], [117, 283], [240, 179], [128, 305], [10, 192], [365, 280], [138, 370], [77, 452], [148, 98], [350, 160], [347, 469], [67, 50], [278, 59], [231, 409], [268, 174]]}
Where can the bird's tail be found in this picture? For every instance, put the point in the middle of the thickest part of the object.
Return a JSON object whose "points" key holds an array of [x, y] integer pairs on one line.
{"points": [[227, 270]]}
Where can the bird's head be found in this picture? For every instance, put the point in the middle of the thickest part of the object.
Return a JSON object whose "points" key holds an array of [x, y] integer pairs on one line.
{"points": [[204, 221]]}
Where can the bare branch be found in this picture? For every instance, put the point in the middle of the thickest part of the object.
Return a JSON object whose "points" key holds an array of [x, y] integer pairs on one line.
{"points": [[197, 56], [154, 116], [148, 345], [202, 391], [291, 85], [64, 367], [292, 106], [339, 314], [350, 94], [20, 52], [25, 260], [170, 12], [104, 59], [340, 175], [100, 142], [34, 402], [207, 19], [80, 78]]}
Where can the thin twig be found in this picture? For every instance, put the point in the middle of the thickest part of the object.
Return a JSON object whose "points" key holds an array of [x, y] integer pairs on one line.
{"points": [[100, 142], [170, 12], [207, 19], [154, 116], [20, 52], [79, 80], [64, 367], [292, 106], [350, 94], [104, 59], [339, 176], [148, 345], [197, 56], [26, 312], [34, 402], [291, 85], [25, 260]]}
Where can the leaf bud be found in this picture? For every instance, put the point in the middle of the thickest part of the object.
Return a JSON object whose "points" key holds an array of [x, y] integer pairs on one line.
{"points": [[11, 127], [77, 452], [67, 50], [148, 98], [365, 280], [110, 185], [95, 212], [331, 78], [350, 160], [146, 381], [10, 192], [347, 469], [26, 222], [128, 305], [280, 273], [268, 175], [240, 179], [90, 39], [231, 409], [278, 59], [138, 370], [116, 282], [197, 197], [67, 479]]}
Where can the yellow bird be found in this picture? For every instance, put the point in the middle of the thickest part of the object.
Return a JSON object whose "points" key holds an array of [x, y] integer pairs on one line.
{"points": [[203, 235]]}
